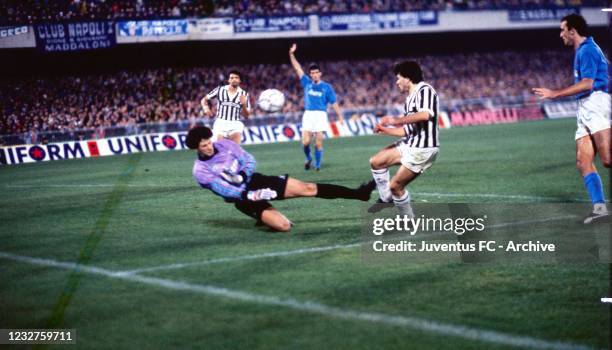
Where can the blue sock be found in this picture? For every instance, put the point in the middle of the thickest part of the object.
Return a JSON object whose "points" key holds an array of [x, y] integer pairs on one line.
{"points": [[307, 152], [318, 156], [592, 182]]}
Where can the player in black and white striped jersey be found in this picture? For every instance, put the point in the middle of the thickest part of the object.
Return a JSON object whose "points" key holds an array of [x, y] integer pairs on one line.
{"points": [[418, 147], [234, 103]]}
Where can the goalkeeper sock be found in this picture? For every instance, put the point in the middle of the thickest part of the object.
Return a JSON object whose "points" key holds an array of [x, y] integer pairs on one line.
{"points": [[329, 191]]}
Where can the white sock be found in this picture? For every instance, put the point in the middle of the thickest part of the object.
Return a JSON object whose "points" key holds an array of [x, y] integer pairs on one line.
{"points": [[381, 177], [600, 208], [403, 204]]}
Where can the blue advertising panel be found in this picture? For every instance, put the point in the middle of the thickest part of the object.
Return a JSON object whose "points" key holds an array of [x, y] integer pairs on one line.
{"points": [[543, 14], [271, 24], [377, 21], [166, 27], [75, 36]]}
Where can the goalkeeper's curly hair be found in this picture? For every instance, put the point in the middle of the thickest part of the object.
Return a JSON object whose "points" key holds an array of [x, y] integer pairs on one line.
{"points": [[196, 135]]}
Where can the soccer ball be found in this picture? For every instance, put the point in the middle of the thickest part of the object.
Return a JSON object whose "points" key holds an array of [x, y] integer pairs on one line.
{"points": [[271, 100]]}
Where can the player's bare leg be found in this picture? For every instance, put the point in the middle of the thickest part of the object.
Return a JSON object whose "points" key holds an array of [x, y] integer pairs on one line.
{"points": [[236, 137], [306, 137], [386, 157], [318, 149], [296, 188], [603, 146], [275, 220], [401, 196], [585, 156], [380, 164]]}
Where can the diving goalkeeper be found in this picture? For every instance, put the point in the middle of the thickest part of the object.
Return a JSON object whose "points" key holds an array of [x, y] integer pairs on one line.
{"points": [[229, 171]]}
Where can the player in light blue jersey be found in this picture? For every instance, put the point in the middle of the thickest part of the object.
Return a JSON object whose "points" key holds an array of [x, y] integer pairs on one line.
{"points": [[228, 171], [317, 95], [591, 89]]}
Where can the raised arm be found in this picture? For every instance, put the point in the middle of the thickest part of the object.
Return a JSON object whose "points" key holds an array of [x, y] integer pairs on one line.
{"points": [[294, 62]]}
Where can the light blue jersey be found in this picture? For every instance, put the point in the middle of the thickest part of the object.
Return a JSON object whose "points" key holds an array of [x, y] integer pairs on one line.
{"points": [[230, 157], [317, 96], [591, 63]]}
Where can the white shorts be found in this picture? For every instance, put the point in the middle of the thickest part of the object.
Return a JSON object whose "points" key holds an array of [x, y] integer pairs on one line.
{"points": [[417, 159], [315, 121], [227, 127], [593, 114]]}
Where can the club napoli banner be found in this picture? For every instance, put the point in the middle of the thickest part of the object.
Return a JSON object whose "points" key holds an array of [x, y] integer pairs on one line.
{"points": [[75, 36], [271, 24]]}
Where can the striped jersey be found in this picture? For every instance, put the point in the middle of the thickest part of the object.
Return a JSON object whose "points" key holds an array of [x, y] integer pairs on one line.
{"points": [[229, 107], [425, 133]]}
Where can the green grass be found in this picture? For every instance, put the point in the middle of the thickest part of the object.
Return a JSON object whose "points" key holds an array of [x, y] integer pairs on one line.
{"points": [[145, 210]]}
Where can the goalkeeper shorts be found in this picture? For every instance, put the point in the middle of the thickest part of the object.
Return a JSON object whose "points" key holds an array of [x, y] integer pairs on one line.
{"points": [[257, 182], [275, 183]]}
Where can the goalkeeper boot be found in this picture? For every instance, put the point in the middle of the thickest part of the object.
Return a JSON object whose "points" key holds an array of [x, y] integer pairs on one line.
{"points": [[365, 190]]}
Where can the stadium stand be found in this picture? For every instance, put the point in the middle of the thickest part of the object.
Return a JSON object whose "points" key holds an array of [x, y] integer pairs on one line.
{"points": [[129, 98], [34, 11]]}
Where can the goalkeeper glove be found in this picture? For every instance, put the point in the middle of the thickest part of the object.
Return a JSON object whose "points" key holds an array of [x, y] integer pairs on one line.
{"points": [[263, 194], [233, 178]]}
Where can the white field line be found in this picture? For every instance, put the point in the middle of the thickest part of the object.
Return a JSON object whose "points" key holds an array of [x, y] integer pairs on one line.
{"points": [[425, 194], [419, 324], [242, 257], [314, 249]]}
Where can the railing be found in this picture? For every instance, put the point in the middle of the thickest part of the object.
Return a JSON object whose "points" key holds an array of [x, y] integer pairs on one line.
{"points": [[44, 137]]}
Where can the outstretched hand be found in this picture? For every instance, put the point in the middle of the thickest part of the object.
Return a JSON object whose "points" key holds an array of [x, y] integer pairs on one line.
{"points": [[387, 120], [544, 93], [293, 48]]}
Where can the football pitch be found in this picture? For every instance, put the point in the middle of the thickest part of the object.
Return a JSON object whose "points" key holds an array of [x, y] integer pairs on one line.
{"points": [[131, 253]]}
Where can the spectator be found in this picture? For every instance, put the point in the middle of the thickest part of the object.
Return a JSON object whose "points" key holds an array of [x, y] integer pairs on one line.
{"points": [[32, 11], [173, 94]]}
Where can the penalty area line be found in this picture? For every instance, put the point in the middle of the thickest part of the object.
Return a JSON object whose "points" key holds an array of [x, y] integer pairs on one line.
{"points": [[415, 323]]}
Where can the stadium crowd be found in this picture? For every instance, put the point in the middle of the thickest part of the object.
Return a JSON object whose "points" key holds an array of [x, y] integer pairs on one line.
{"points": [[129, 98], [34, 11]]}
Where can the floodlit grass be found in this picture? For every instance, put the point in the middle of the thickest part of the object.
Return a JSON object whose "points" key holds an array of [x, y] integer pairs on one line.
{"points": [[143, 210]]}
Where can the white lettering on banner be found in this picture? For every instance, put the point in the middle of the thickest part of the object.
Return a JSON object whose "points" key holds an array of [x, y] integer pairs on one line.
{"points": [[78, 46], [51, 31], [6, 32], [499, 116], [357, 125], [86, 29]]}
